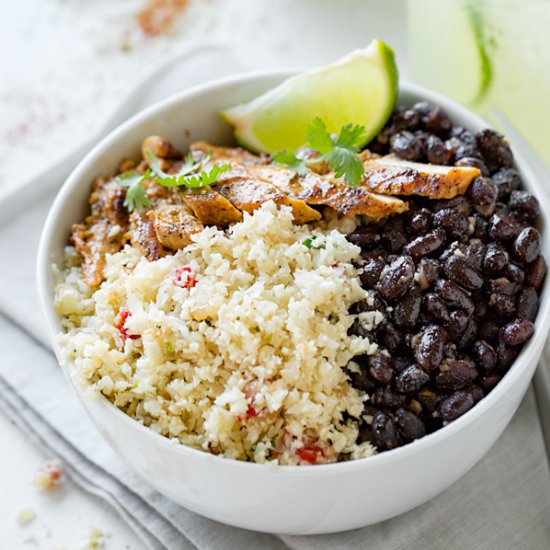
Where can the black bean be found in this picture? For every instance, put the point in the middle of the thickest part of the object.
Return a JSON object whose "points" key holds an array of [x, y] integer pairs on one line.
{"points": [[395, 280], [480, 227], [502, 306], [527, 245], [489, 331], [474, 162], [469, 334], [455, 296], [484, 355], [383, 428], [453, 221], [465, 136], [394, 234], [524, 204], [436, 307], [365, 435], [411, 379], [483, 194], [385, 398], [406, 145], [456, 405], [502, 285], [490, 380], [462, 272], [362, 381], [436, 152], [506, 180], [496, 259], [375, 303], [515, 274], [460, 203], [466, 150], [381, 368], [527, 303], [429, 346], [475, 391], [506, 355], [458, 321], [364, 236], [455, 374], [433, 118], [409, 426], [406, 311], [495, 150], [502, 229], [517, 332], [428, 273], [426, 244], [535, 272], [390, 337], [418, 221], [475, 253], [372, 268]]}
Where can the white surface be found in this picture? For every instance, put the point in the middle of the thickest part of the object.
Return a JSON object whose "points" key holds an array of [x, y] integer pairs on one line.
{"points": [[234, 492], [63, 518], [66, 71]]}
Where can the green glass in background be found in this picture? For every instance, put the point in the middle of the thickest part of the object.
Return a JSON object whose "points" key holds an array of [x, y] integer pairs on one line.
{"points": [[491, 55]]}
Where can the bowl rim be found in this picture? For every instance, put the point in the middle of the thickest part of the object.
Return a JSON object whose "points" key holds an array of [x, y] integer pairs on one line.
{"points": [[530, 352]]}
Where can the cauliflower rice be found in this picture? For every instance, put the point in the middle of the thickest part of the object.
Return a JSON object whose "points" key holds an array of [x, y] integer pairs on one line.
{"points": [[234, 345]]}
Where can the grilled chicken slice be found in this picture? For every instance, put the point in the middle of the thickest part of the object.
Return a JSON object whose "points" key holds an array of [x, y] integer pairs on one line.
{"points": [[93, 240], [107, 200], [211, 208], [143, 235], [174, 225], [159, 147], [393, 176], [248, 194]]}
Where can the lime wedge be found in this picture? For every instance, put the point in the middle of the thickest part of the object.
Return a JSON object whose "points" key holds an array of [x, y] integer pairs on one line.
{"points": [[360, 88], [450, 48]]}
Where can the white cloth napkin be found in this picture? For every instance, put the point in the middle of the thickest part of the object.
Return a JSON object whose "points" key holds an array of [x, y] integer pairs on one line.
{"points": [[504, 502]]}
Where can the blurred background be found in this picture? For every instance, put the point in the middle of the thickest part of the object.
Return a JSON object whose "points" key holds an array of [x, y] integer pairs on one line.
{"points": [[70, 63]]}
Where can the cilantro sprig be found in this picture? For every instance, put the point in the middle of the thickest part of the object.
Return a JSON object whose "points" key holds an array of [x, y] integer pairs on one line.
{"points": [[311, 242], [340, 151], [187, 175], [136, 194]]}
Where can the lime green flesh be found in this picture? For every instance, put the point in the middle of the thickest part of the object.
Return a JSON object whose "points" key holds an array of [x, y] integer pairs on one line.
{"points": [[361, 88]]}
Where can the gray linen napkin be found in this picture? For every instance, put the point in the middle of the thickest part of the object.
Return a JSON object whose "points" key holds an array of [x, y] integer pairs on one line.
{"points": [[504, 502]]}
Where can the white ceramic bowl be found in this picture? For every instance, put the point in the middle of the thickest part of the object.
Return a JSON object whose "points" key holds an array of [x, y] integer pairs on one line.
{"points": [[286, 499]]}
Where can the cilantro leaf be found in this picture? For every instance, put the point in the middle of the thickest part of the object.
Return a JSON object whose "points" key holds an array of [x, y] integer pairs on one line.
{"points": [[188, 166], [346, 164], [136, 194], [318, 137], [198, 181], [291, 161], [352, 137]]}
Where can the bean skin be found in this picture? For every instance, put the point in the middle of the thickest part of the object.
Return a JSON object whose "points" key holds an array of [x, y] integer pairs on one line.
{"points": [[455, 296], [527, 303], [458, 321], [462, 272], [490, 380], [495, 149], [396, 279], [428, 347], [535, 272], [407, 310], [524, 204], [381, 368], [483, 194], [455, 374], [385, 433], [372, 268], [385, 398], [456, 405], [517, 332], [484, 355], [436, 306], [426, 244], [409, 426], [411, 380], [527, 245], [451, 220], [496, 259], [502, 229]]}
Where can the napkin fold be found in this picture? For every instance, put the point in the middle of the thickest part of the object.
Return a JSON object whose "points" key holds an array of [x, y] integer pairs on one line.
{"points": [[504, 502]]}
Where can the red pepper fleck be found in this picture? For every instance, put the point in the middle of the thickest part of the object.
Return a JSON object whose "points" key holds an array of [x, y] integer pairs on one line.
{"points": [[121, 325], [335, 265], [310, 453], [185, 277], [250, 390]]}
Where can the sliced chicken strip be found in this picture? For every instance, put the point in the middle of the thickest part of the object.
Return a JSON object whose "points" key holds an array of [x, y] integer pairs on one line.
{"points": [[143, 235], [248, 194], [94, 240], [393, 176], [107, 200], [211, 208], [174, 225], [159, 147]]}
